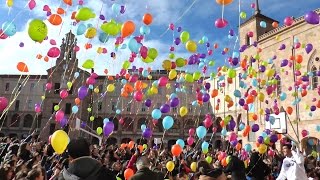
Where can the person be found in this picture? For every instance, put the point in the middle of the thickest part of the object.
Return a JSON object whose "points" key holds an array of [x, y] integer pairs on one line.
{"points": [[237, 168], [82, 166], [144, 172], [35, 174], [257, 168], [293, 165], [207, 172]]}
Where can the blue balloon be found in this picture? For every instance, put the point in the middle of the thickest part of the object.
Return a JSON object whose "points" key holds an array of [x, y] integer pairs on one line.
{"points": [[76, 74], [143, 127], [201, 132], [318, 128], [237, 93], [124, 81], [123, 46], [241, 126], [247, 147], [181, 143], [201, 65], [167, 122], [235, 54], [105, 120], [145, 73], [116, 8], [224, 132], [103, 37], [263, 24], [118, 111], [91, 86], [255, 82], [156, 114], [283, 96], [205, 39], [264, 135], [155, 83], [194, 103], [144, 30], [173, 95], [133, 45], [75, 109], [272, 119], [9, 28], [205, 145], [81, 29]]}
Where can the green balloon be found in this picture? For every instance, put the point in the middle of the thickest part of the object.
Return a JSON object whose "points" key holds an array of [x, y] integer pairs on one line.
{"points": [[69, 85], [188, 78], [37, 30], [180, 62], [152, 53], [56, 107], [99, 130], [184, 36], [257, 56], [147, 60], [171, 56], [211, 63], [243, 15], [209, 159], [126, 64], [196, 75], [212, 74], [88, 64], [91, 118], [84, 14], [119, 178], [232, 73], [267, 140], [111, 28], [200, 41]]}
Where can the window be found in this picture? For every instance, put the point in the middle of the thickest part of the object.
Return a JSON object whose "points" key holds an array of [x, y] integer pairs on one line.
{"points": [[29, 104], [278, 87], [314, 78], [68, 108], [247, 40], [15, 120], [114, 106], [16, 107], [129, 108], [190, 89], [128, 124], [31, 86], [143, 108], [7, 86], [70, 90], [52, 128], [27, 121], [174, 110], [99, 106], [56, 88], [53, 104], [19, 86], [252, 135], [190, 107], [100, 88], [160, 91]]}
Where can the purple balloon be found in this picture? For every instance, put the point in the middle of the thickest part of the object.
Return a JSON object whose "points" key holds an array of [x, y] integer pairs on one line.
{"points": [[273, 138], [177, 41], [207, 86], [148, 102], [308, 48], [232, 125], [82, 92], [63, 122], [260, 139], [205, 97], [267, 131], [123, 9], [255, 128], [284, 62], [193, 59], [83, 124], [208, 44], [147, 133], [231, 32], [313, 108], [312, 17], [282, 47], [241, 102], [267, 117], [234, 143], [179, 29], [235, 61], [102, 17], [165, 108], [174, 102], [202, 56], [108, 128]]}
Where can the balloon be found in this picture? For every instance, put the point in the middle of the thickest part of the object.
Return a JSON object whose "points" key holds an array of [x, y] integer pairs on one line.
{"points": [[147, 133], [193, 166], [3, 103], [224, 2], [64, 93], [152, 53], [91, 33], [82, 92], [108, 128], [190, 140], [9, 28], [255, 128], [99, 130], [263, 24], [55, 19], [165, 108], [88, 64], [37, 30], [84, 14], [111, 28], [191, 46], [59, 141], [54, 52], [156, 114], [128, 173], [147, 102], [172, 74], [147, 19], [221, 23], [288, 21], [183, 111], [248, 147], [243, 15], [68, 2], [308, 48], [22, 67], [116, 8], [209, 159], [144, 30], [176, 150], [138, 96], [181, 143], [163, 81], [312, 17], [174, 102], [201, 131], [262, 148], [184, 36], [170, 166], [127, 29], [167, 122]]}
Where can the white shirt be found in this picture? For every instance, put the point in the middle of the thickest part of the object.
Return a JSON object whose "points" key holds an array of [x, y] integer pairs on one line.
{"points": [[293, 168]]}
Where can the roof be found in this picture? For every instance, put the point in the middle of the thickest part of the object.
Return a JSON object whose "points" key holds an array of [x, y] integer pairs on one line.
{"points": [[255, 16], [23, 76]]}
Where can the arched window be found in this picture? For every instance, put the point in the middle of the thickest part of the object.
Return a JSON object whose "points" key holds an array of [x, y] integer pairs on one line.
{"points": [[314, 77], [140, 122], [128, 124], [247, 40], [98, 122], [27, 121], [115, 122], [15, 120]]}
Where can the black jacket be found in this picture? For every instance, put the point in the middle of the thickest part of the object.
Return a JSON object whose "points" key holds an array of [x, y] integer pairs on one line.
{"points": [[86, 168], [145, 174], [257, 169], [237, 169]]}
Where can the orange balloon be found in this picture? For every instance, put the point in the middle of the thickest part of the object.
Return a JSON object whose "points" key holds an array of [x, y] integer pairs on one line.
{"points": [[110, 78], [224, 162], [77, 101], [140, 147], [176, 150], [254, 117], [128, 173], [131, 144], [318, 104], [39, 56], [128, 88], [238, 147], [46, 59], [214, 93], [275, 24], [230, 104], [55, 19], [222, 123], [224, 2], [68, 2], [289, 110], [123, 145], [229, 80], [127, 76], [73, 15], [147, 19], [299, 59], [249, 99], [127, 28], [304, 92], [124, 94], [217, 107], [60, 11], [244, 64], [22, 67]]}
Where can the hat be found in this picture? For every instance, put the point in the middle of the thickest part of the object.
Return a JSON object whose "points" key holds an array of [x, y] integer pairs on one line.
{"points": [[78, 147]]}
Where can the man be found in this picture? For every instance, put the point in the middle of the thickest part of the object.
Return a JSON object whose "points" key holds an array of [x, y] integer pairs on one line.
{"points": [[293, 165], [82, 166], [144, 172]]}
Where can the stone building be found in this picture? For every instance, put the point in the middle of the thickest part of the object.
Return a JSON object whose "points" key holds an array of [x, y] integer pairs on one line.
{"points": [[269, 39], [19, 120]]}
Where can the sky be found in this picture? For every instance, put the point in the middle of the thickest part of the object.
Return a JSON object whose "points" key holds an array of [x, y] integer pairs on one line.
{"points": [[195, 16]]}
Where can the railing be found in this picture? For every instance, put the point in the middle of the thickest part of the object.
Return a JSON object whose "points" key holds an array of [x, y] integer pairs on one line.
{"points": [[283, 27]]}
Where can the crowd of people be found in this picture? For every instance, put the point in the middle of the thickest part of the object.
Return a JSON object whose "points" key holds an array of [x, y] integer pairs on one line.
{"points": [[30, 159]]}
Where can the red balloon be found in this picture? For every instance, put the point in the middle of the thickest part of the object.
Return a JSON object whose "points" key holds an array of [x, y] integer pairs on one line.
{"points": [[176, 150], [128, 173]]}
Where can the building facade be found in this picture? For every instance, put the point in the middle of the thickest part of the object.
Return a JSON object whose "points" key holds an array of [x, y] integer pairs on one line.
{"points": [[19, 121], [265, 45]]}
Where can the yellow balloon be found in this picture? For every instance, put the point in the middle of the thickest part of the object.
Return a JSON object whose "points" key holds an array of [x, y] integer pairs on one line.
{"points": [[262, 148], [9, 3], [110, 88], [154, 90], [183, 111], [193, 166], [96, 90], [172, 74], [144, 85], [91, 32], [166, 64], [191, 46], [228, 159], [59, 141], [170, 166], [145, 146], [99, 50], [270, 72], [261, 97]]}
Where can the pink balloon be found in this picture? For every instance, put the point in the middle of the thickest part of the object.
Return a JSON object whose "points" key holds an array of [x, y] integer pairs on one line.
{"points": [[288, 21], [94, 75], [163, 81], [3, 103], [76, 48], [46, 8], [90, 80], [138, 96], [171, 26], [133, 78], [32, 4], [59, 115], [48, 86], [253, 5], [80, 2], [53, 52], [64, 94], [232, 136], [250, 34], [214, 129], [207, 122], [191, 131], [53, 42], [37, 108], [121, 121], [221, 23], [190, 140], [143, 51], [271, 152]]}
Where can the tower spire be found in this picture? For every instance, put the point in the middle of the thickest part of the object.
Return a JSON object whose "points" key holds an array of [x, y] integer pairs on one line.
{"points": [[257, 10]]}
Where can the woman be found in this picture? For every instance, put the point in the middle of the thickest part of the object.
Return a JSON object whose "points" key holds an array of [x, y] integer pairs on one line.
{"points": [[24, 152], [35, 174], [207, 172]]}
